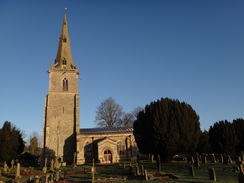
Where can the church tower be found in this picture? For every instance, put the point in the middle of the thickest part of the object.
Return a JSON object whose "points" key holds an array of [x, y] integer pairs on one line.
{"points": [[61, 112]]}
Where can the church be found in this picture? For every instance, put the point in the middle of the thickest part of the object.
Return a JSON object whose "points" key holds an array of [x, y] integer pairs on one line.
{"points": [[62, 137]]}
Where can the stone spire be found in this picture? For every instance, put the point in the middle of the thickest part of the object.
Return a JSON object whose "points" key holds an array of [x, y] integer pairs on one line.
{"points": [[64, 56]]}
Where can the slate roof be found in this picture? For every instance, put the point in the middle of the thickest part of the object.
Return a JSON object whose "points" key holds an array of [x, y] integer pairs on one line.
{"points": [[106, 130]]}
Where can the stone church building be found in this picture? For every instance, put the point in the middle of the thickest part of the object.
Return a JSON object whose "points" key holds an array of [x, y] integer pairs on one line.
{"points": [[62, 137]]}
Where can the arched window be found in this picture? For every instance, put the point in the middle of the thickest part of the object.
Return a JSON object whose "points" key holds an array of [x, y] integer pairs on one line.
{"points": [[65, 84], [120, 147]]}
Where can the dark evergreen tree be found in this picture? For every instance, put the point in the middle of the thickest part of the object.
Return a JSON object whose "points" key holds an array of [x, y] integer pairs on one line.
{"points": [[223, 137], [11, 142], [203, 144], [167, 127], [239, 128]]}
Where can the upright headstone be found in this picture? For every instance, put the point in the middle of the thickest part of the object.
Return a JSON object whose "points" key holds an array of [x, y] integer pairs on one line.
{"points": [[196, 161], [192, 170], [151, 157], [213, 159], [37, 180], [145, 174], [5, 168], [190, 159], [31, 178], [47, 178], [12, 164], [204, 159], [221, 159], [17, 172], [74, 160], [56, 164], [44, 169], [212, 175], [137, 170], [142, 169], [52, 166], [159, 162], [57, 176], [93, 173], [229, 160], [241, 167], [242, 155], [51, 178]]}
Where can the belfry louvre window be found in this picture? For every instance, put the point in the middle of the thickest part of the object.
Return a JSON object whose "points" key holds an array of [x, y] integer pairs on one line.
{"points": [[65, 84], [64, 62]]}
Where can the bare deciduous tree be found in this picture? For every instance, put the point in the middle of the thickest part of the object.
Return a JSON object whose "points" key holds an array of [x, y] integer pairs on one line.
{"points": [[128, 120], [136, 111], [109, 114]]}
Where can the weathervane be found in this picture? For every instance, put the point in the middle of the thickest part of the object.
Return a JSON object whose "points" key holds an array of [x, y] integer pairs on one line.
{"points": [[65, 9]]}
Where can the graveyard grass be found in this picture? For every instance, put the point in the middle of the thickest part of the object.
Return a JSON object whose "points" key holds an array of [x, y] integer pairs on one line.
{"points": [[180, 170], [176, 171]]}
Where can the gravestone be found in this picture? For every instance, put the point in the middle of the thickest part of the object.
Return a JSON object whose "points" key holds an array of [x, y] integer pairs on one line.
{"points": [[31, 178], [192, 170], [37, 180], [5, 168], [204, 159], [212, 174], [51, 166], [47, 178], [142, 169], [221, 159], [44, 169], [242, 155], [159, 162], [56, 164], [74, 161], [93, 173], [227, 160], [190, 159], [12, 164], [57, 176], [196, 161], [213, 159], [241, 168], [51, 178], [151, 157], [137, 170], [17, 172], [145, 174]]}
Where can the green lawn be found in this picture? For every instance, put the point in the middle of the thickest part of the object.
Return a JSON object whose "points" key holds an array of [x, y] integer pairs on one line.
{"points": [[177, 172], [180, 170]]}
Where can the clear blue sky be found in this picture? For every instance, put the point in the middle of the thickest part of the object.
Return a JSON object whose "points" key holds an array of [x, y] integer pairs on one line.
{"points": [[135, 51]]}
